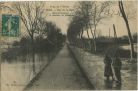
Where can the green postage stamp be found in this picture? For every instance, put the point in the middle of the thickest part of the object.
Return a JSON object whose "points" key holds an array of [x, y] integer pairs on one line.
{"points": [[10, 25]]}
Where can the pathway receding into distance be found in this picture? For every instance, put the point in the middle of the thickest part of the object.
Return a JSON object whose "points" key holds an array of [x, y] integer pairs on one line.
{"points": [[62, 73]]}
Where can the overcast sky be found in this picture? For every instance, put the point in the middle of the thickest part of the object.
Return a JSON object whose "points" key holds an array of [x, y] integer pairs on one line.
{"points": [[63, 21]]}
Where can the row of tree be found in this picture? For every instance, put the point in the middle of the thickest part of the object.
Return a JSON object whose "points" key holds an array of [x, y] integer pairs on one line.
{"points": [[33, 16], [43, 34], [88, 16]]}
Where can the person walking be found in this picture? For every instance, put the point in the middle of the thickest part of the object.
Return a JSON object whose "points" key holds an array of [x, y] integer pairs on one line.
{"points": [[117, 64], [108, 69]]}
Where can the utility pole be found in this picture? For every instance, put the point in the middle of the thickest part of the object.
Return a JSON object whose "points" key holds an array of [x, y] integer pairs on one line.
{"points": [[109, 32], [115, 35]]}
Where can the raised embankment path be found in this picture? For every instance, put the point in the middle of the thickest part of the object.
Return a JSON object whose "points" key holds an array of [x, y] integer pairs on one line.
{"points": [[63, 73]]}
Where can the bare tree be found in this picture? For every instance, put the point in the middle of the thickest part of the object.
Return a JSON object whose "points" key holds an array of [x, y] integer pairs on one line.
{"points": [[89, 15], [30, 13], [97, 13], [121, 7], [42, 27], [83, 11]]}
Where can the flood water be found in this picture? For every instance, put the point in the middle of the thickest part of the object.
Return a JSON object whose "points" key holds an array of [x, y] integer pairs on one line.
{"points": [[17, 73], [127, 47]]}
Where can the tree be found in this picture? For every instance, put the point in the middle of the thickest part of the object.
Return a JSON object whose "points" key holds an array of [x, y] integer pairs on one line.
{"points": [[30, 13], [42, 27], [82, 16], [75, 28], [97, 13], [91, 13], [135, 37], [121, 7]]}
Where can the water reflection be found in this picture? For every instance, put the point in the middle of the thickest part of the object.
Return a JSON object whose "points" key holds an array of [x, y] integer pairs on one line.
{"points": [[17, 72], [111, 84], [127, 47], [108, 84]]}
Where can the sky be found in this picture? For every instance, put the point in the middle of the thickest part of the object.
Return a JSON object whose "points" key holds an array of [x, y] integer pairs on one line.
{"points": [[61, 21], [105, 24], [56, 12]]}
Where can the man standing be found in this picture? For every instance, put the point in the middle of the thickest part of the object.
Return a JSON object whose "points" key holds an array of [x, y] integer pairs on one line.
{"points": [[117, 64]]}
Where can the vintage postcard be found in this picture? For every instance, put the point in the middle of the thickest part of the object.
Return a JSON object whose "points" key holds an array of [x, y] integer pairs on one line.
{"points": [[68, 45]]}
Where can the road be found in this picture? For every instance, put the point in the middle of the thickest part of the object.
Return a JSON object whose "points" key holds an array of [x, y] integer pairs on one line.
{"points": [[62, 73]]}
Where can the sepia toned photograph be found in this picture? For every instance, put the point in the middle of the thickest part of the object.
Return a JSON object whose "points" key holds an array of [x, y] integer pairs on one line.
{"points": [[68, 45]]}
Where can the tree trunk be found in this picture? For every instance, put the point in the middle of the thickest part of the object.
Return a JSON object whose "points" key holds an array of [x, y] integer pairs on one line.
{"points": [[95, 32], [81, 33], [94, 42], [128, 29], [109, 32], [33, 54], [115, 35], [83, 41], [130, 41], [89, 40]]}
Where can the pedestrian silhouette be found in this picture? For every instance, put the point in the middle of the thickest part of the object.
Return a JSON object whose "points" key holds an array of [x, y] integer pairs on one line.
{"points": [[108, 69], [117, 64]]}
